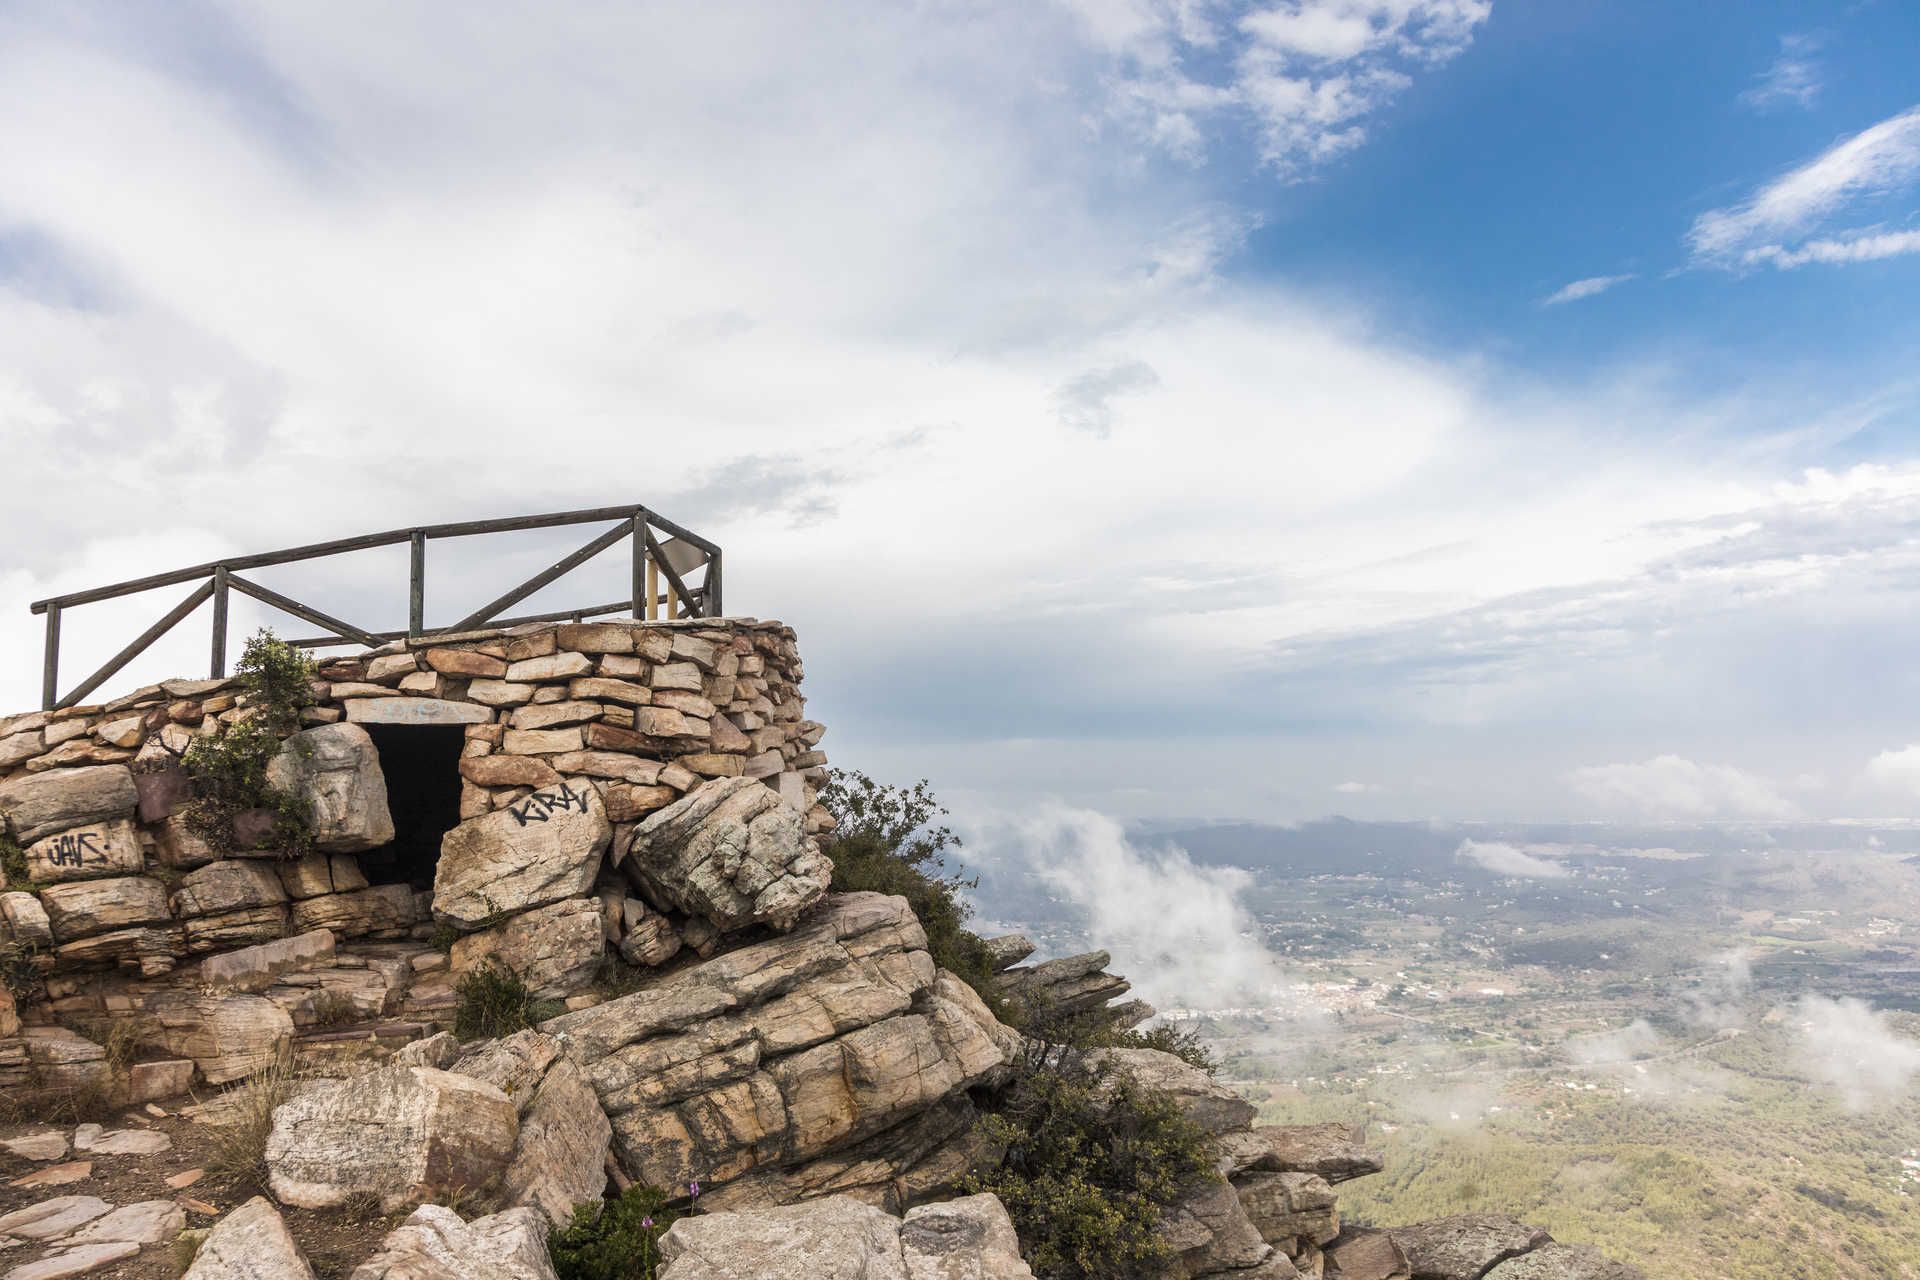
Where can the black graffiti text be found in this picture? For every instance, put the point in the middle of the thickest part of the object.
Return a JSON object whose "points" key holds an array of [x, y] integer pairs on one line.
{"points": [[542, 805], [73, 849]]}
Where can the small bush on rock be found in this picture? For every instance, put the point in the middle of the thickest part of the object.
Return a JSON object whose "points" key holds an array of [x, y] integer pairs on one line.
{"points": [[495, 1002], [13, 865], [229, 766], [888, 840], [621, 1242], [1094, 1029], [1091, 1162]]}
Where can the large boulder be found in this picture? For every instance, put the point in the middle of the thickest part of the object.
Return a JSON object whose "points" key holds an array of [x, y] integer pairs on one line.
{"points": [[41, 804], [540, 849], [554, 949], [251, 1243], [840, 1238], [966, 1239], [731, 851], [778, 1053], [833, 1239], [404, 1134], [1465, 1246], [434, 1244], [1565, 1262], [335, 768]]}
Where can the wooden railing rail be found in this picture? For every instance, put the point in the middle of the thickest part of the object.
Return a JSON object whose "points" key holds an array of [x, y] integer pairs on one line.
{"points": [[674, 559]]}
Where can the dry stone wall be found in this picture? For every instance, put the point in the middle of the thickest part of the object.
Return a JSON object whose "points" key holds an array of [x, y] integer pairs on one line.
{"points": [[120, 923]]}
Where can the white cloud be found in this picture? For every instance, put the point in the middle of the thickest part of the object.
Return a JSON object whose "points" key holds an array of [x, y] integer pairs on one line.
{"points": [[1896, 771], [1792, 80], [806, 266], [1578, 289], [1854, 246], [1850, 1047], [1179, 931], [1305, 73], [1508, 860], [1768, 225], [1672, 787], [1351, 788]]}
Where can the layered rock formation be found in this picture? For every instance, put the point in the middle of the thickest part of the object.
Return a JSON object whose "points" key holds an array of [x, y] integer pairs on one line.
{"points": [[645, 792]]}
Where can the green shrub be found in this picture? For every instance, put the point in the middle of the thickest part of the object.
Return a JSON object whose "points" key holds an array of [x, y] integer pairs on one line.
{"points": [[886, 840], [1091, 1161], [19, 973], [495, 1002], [621, 1242], [13, 864], [229, 766]]}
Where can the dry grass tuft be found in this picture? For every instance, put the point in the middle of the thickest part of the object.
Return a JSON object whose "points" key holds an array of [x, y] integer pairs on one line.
{"points": [[238, 1154]]}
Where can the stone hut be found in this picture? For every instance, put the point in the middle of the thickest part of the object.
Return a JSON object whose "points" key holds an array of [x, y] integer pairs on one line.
{"points": [[479, 790]]}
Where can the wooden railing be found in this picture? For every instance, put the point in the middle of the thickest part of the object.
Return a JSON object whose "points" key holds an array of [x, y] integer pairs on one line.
{"points": [[674, 559]]}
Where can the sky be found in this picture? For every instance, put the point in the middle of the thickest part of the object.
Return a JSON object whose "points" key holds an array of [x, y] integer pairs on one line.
{"points": [[1162, 408]]}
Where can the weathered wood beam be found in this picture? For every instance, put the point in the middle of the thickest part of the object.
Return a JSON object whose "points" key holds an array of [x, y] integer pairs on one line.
{"points": [[195, 598], [479, 617], [286, 604]]}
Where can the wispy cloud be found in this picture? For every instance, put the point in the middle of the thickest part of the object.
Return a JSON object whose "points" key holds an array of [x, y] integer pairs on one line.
{"points": [[1771, 226], [1304, 74], [1855, 246], [1672, 787], [1852, 1048], [1086, 401], [1579, 289], [1792, 81]]}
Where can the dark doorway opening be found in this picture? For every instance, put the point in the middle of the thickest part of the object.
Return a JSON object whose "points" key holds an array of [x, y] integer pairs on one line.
{"points": [[422, 765]]}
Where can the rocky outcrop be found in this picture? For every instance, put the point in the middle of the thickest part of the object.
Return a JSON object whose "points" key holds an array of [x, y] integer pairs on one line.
{"points": [[1465, 1246], [560, 1156], [1564, 1262], [731, 851], [434, 1244], [783, 1052], [1332, 1151], [335, 770], [1066, 987], [402, 1134], [1206, 1102], [839, 1238], [1365, 1254]]}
